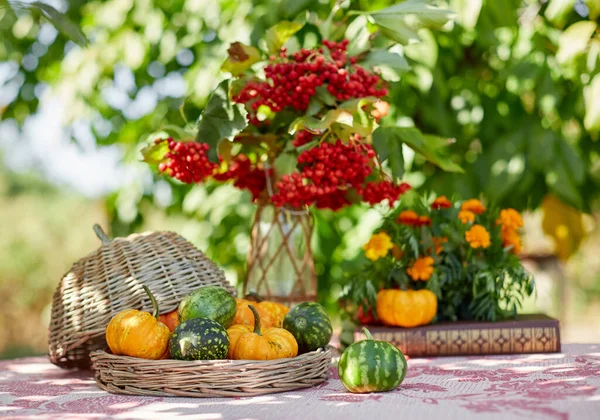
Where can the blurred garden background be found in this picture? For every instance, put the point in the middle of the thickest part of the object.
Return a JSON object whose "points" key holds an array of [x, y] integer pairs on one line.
{"points": [[516, 83]]}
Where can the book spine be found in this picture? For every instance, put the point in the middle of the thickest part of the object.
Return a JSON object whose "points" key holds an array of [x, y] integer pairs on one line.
{"points": [[472, 341]]}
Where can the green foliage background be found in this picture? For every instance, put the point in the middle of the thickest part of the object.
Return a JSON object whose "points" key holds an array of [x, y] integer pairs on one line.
{"points": [[515, 82]]}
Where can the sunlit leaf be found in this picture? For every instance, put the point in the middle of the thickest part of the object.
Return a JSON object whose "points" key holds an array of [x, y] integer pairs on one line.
{"points": [[59, 20], [241, 58], [558, 11], [467, 12], [358, 34], [221, 119], [573, 41], [593, 7], [285, 163], [591, 94], [383, 60], [277, 35], [155, 152]]}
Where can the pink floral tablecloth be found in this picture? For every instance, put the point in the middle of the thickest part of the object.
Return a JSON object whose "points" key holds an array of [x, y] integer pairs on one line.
{"points": [[545, 386]]}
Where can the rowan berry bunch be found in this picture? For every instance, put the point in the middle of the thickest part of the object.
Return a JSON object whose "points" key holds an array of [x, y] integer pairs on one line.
{"points": [[246, 175], [293, 80], [328, 171], [187, 161]]}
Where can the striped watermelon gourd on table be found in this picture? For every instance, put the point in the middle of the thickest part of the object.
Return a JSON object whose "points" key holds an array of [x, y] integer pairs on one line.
{"points": [[199, 339], [372, 366], [309, 324]]}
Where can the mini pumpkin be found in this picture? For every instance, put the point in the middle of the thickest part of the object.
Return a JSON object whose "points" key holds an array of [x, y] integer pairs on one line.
{"points": [[170, 319], [138, 334], [246, 343], [271, 313], [406, 308]]}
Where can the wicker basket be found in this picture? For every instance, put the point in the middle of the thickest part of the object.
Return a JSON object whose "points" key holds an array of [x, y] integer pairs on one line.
{"points": [[209, 378], [110, 280]]}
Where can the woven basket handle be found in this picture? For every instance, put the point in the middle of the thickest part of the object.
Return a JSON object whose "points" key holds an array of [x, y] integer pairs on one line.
{"points": [[101, 235]]}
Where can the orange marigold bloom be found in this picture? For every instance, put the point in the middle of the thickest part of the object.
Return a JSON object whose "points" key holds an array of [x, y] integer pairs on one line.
{"points": [[473, 205], [466, 216], [378, 246], [397, 253], [422, 269], [510, 237], [424, 221], [408, 217], [510, 219], [478, 237], [438, 244], [441, 203]]}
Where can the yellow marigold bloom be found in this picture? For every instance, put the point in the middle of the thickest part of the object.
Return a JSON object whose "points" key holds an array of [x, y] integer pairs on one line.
{"points": [[466, 216], [473, 205], [510, 237], [438, 244], [422, 269], [510, 219], [478, 237], [378, 246]]}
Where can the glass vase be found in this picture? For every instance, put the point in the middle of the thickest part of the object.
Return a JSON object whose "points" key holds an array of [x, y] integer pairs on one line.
{"points": [[280, 260]]}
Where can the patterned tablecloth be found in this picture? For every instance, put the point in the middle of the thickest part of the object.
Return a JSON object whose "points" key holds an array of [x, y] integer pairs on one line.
{"points": [[544, 386]]}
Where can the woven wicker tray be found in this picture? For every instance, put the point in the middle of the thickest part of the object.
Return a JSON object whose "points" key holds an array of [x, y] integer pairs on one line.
{"points": [[208, 378]]}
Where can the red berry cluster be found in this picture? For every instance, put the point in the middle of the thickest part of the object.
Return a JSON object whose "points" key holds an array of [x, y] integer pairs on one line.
{"points": [[245, 175], [302, 137], [328, 171], [292, 81], [187, 161], [376, 192]]}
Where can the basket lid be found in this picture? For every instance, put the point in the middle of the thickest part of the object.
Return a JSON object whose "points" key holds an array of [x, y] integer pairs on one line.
{"points": [[110, 280]]}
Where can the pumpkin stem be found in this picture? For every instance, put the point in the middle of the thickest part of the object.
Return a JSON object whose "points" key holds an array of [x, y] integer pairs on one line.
{"points": [[253, 296], [367, 333], [101, 235], [153, 300], [256, 320]]}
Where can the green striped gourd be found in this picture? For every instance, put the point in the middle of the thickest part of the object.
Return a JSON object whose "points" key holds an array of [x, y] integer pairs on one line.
{"points": [[309, 324], [199, 339], [212, 302], [372, 366]]}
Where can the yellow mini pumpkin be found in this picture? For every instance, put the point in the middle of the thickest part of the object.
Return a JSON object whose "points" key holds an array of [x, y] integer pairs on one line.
{"points": [[406, 308], [271, 313], [138, 334], [246, 343]]}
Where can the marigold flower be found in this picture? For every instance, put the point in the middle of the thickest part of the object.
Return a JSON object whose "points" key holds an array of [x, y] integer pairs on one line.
{"points": [[478, 237], [421, 269], [397, 253], [438, 241], [424, 221], [378, 246], [510, 219], [473, 205], [408, 217], [441, 203], [510, 237], [466, 216]]}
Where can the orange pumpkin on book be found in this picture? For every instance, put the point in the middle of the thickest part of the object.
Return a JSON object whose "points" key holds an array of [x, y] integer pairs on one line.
{"points": [[406, 308]]}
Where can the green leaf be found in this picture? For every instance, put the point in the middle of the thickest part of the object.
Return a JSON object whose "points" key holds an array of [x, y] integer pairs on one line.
{"points": [[396, 160], [594, 8], [429, 146], [285, 163], [573, 41], [467, 12], [572, 162], [221, 119], [314, 106], [59, 20], [591, 93], [390, 64], [542, 148], [324, 96], [277, 35], [401, 21], [241, 57], [558, 11], [559, 181], [358, 34], [318, 126], [155, 152]]}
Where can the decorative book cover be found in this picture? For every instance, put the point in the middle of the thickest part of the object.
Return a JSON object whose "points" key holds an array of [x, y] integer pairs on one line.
{"points": [[526, 334]]}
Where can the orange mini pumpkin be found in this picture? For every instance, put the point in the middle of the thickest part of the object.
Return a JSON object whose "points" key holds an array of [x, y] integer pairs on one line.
{"points": [[406, 308], [171, 319], [267, 344], [138, 334]]}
